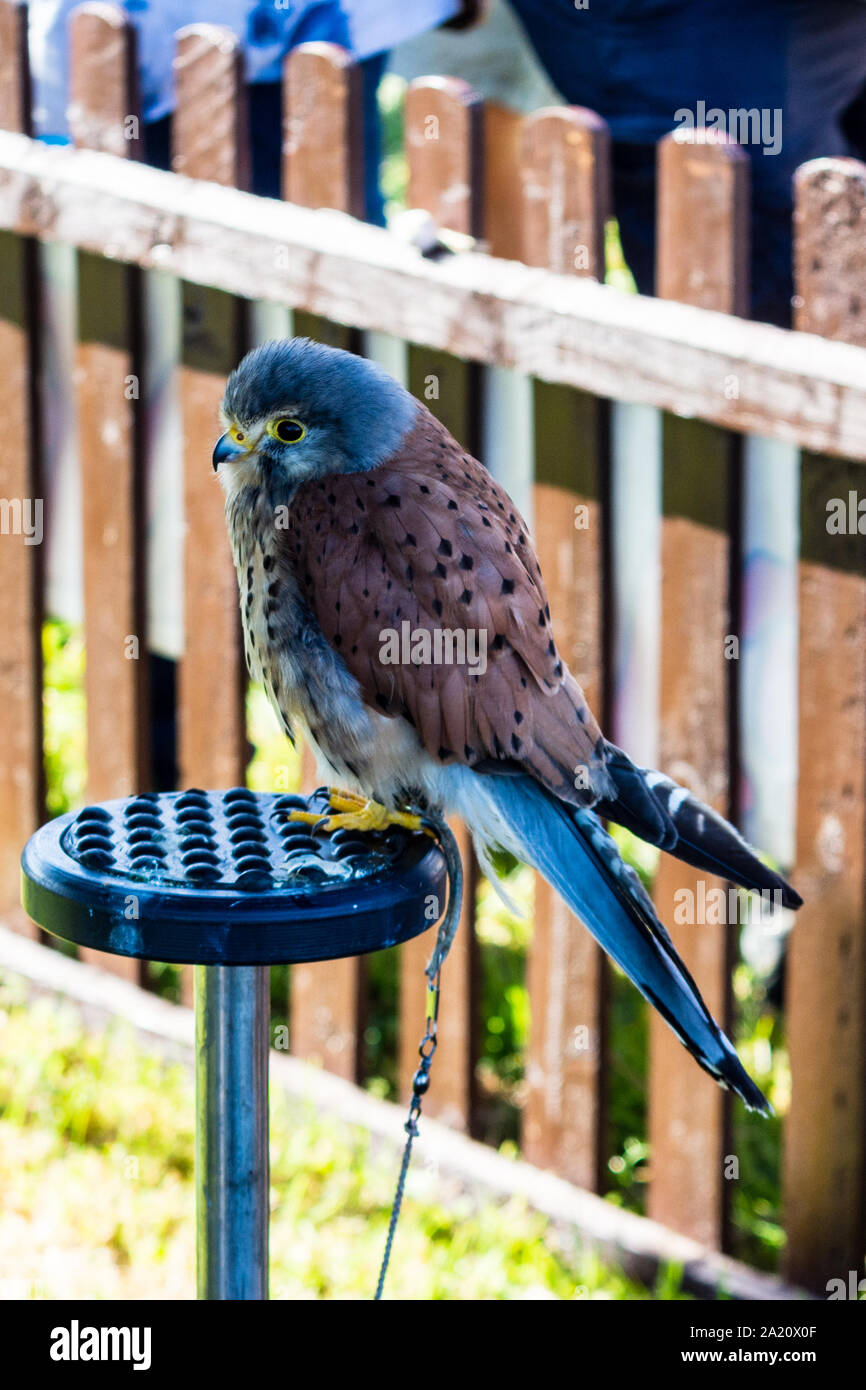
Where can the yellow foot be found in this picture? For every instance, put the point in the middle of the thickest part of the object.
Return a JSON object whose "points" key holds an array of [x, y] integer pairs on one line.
{"points": [[355, 812]]}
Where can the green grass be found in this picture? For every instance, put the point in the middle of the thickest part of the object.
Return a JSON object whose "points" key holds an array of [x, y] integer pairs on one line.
{"points": [[96, 1164]]}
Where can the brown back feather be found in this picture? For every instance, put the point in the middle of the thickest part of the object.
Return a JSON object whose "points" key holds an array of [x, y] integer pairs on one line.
{"points": [[429, 538]]}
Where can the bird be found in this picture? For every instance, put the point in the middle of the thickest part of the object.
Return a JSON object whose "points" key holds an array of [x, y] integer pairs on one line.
{"points": [[367, 544]]}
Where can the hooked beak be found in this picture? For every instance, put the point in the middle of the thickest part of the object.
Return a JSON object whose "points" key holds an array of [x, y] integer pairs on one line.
{"points": [[226, 449]]}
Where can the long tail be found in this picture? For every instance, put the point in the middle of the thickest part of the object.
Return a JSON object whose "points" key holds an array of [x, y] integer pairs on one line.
{"points": [[571, 848], [667, 815]]}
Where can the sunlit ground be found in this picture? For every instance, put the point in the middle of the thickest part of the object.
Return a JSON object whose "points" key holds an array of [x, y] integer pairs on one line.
{"points": [[96, 1170]]}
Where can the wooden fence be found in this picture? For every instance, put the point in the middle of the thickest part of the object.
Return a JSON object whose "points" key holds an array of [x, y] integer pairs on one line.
{"points": [[534, 190]]}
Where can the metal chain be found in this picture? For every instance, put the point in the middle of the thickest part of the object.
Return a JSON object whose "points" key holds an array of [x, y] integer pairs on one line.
{"points": [[427, 1048]]}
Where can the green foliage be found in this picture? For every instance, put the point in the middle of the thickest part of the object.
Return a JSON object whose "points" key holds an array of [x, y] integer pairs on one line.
{"points": [[617, 272], [275, 765], [393, 170], [64, 713], [379, 1061], [503, 937], [757, 1233], [627, 1149]]}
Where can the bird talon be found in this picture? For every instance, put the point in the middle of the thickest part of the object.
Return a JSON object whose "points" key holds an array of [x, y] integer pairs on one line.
{"points": [[308, 817], [351, 811]]}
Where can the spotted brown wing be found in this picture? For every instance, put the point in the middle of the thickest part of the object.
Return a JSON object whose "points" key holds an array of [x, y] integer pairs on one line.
{"points": [[427, 549]]}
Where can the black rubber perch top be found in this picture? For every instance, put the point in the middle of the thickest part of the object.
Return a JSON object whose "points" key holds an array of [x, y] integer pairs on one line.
{"points": [[226, 878]]}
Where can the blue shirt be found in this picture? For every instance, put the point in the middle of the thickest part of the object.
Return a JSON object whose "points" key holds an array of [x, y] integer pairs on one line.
{"points": [[268, 29]]}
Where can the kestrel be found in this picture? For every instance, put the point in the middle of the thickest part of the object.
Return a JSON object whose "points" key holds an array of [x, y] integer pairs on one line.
{"points": [[393, 608]]}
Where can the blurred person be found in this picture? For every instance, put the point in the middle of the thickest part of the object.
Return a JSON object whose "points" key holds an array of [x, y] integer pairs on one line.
{"points": [[268, 30], [652, 66]]}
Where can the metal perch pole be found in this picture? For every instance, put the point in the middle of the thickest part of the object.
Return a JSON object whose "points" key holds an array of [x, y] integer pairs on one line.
{"points": [[229, 882], [232, 1020]]}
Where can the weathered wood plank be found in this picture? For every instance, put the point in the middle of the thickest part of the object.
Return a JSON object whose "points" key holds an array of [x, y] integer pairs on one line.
{"points": [[503, 229], [688, 1111], [103, 115], [21, 770], [830, 249], [566, 190], [702, 259], [703, 184], [792, 386], [444, 137], [209, 141], [210, 138], [109, 444], [103, 110], [211, 715], [327, 997], [322, 152], [322, 167], [563, 1122], [444, 150], [453, 1094], [15, 85], [825, 1162], [565, 185]]}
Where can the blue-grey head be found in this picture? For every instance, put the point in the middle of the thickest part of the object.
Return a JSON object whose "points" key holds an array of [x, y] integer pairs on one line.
{"points": [[294, 409]]}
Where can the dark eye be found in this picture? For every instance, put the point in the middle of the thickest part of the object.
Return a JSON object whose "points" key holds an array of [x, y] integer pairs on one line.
{"points": [[288, 431]]}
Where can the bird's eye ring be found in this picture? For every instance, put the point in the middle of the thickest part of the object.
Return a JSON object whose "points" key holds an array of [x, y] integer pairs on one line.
{"points": [[286, 430]]}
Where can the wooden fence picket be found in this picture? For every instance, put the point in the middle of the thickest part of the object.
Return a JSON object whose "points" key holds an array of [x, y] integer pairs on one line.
{"points": [[565, 199], [15, 86], [322, 148], [21, 773], [104, 115], [825, 1150], [444, 142], [212, 727], [323, 168], [503, 219], [452, 1098], [702, 259], [211, 706], [565, 190], [444, 135]]}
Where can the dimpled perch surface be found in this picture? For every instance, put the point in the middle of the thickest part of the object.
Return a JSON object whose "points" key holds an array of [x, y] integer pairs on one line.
{"points": [[394, 608]]}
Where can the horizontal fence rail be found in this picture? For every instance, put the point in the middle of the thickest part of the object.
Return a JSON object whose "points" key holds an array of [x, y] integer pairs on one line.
{"points": [[790, 386], [523, 318]]}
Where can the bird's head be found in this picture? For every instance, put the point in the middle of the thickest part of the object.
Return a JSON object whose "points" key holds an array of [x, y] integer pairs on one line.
{"points": [[294, 410]]}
